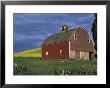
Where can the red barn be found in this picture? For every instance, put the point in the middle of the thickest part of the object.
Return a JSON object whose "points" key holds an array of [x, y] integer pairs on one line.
{"points": [[68, 44]]}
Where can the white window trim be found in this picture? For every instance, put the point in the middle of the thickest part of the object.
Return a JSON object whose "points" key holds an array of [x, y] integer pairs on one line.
{"points": [[75, 38], [89, 39], [61, 51], [46, 53]]}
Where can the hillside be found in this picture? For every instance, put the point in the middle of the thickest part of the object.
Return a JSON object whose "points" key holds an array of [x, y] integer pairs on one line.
{"points": [[29, 53]]}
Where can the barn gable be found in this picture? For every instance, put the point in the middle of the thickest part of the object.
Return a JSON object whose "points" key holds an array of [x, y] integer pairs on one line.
{"points": [[63, 36], [81, 30]]}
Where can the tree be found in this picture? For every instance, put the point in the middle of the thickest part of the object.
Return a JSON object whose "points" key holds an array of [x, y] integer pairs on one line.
{"points": [[94, 31]]}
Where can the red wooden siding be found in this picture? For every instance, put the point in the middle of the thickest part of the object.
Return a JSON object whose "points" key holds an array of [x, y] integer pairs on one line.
{"points": [[54, 51], [82, 43], [79, 43]]}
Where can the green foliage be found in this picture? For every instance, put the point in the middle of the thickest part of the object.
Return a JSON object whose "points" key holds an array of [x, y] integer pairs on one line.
{"points": [[95, 54], [33, 66], [94, 31], [29, 53]]}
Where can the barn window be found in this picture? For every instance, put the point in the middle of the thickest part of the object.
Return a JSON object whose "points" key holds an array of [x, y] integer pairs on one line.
{"points": [[46, 53], [89, 39], [64, 27], [61, 51], [75, 37]]}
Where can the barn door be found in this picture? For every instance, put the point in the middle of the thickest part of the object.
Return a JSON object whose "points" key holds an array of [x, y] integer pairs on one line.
{"points": [[72, 54], [84, 55]]}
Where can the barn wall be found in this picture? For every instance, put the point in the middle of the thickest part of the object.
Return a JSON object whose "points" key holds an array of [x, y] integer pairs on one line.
{"points": [[77, 54], [74, 54], [82, 43], [84, 55], [56, 51]]}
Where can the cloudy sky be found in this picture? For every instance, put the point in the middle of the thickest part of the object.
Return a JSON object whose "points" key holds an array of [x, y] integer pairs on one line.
{"points": [[31, 29]]}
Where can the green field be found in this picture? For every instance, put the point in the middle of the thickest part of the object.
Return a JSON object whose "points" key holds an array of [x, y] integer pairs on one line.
{"points": [[29, 53], [34, 66], [29, 63]]}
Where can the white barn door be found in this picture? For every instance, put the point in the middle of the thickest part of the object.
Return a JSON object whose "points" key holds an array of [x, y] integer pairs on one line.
{"points": [[84, 55], [72, 54]]}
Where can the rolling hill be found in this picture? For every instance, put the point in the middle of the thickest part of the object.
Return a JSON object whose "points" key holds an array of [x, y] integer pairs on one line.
{"points": [[29, 53]]}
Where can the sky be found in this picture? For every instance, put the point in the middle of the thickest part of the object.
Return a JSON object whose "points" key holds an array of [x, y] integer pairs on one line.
{"points": [[31, 29]]}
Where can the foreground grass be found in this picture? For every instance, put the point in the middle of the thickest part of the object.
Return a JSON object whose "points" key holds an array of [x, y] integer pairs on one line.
{"points": [[29, 53], [34, 66]]}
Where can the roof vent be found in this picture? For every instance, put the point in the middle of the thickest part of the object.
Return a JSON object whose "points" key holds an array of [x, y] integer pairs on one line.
{"points": [[64, 28], [81, 27]]}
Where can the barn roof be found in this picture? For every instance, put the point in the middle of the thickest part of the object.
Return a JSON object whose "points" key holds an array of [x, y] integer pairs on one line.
{"points": [[60, 37]]}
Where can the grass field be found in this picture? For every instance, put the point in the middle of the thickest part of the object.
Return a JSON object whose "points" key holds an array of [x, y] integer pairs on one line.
{"points": [[34, 66], [29, 63], [29, 53]]}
